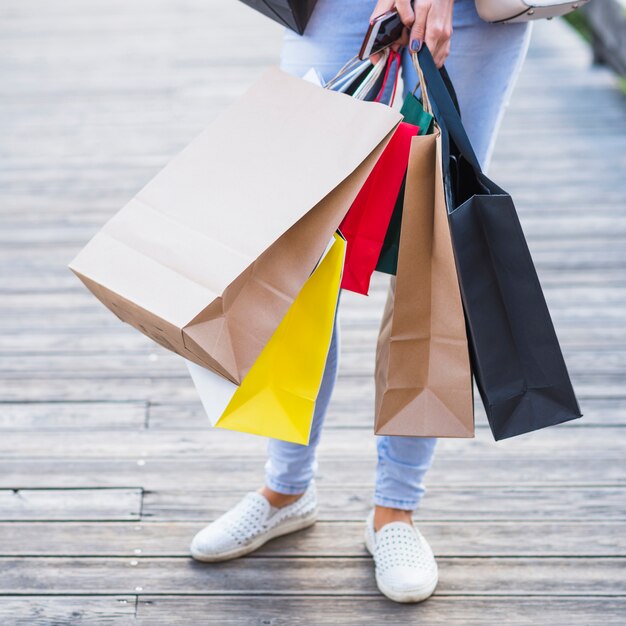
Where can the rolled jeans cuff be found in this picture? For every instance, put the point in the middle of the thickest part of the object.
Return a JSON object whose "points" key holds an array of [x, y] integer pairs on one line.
{"points": [[402, 465], [392, 503], [288, 490], [290, 476]]}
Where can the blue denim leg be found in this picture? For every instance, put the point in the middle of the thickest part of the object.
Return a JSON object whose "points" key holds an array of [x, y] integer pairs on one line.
{"points": [[402, 465], [484, 64], [331, 39], [333, 36]]}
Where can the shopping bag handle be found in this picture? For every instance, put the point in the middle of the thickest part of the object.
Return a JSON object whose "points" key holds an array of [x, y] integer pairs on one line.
{"points": [[444, 105], [443, 72], [447, 81], [353, 70], [347, 67], [394, 57]]}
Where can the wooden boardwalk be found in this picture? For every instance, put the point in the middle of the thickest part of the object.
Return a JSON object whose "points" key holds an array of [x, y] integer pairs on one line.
{"points": [[107, 466]]}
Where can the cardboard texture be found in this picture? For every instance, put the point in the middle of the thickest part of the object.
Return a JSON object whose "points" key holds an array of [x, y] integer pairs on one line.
{"points": [[277, 397], [210, 254], [423, 377]]}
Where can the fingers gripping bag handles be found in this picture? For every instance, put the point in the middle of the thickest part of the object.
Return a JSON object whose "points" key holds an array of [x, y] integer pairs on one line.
{"points": [[516, 358]]}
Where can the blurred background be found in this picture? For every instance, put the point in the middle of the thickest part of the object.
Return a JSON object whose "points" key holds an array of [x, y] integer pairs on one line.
{"points": [[107, 463]]}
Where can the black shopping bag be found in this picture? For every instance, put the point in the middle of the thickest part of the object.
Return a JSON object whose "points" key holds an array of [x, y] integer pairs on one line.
{"points": [[516, 358], [293, 14]]}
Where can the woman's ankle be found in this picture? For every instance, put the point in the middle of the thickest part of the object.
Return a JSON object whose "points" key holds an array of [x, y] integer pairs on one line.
{"points": [[384, 515], [278, 500]]}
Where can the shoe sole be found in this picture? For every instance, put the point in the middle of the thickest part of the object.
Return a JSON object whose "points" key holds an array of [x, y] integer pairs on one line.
{"points": [[417, 594], [284, 529]]}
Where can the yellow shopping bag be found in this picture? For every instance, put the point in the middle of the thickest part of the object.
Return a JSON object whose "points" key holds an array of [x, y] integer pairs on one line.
{"points": [[277, 397]]}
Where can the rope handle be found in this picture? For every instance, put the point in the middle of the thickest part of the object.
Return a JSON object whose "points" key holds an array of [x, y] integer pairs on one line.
{"points": [[421, 82]]}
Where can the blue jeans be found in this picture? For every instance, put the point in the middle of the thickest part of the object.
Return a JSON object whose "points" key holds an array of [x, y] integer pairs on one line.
{"points": [[484, 63]]}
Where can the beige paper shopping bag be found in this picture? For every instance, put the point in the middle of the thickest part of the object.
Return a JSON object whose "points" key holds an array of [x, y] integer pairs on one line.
{"points": [[423, 377], [207, 258]]}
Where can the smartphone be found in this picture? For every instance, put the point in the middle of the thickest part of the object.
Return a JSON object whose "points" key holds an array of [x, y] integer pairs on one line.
{"points": [[383, 31]]}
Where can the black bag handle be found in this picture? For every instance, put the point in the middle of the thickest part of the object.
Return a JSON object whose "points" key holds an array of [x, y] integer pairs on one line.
{"points": [[450, 87], [445, 106]]}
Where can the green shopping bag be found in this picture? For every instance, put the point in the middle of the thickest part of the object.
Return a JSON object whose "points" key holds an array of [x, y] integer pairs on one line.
{"points": [[414, 113]]}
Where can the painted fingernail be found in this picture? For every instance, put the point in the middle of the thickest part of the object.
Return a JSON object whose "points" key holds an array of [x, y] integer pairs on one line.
{"points": [[416, 44]]}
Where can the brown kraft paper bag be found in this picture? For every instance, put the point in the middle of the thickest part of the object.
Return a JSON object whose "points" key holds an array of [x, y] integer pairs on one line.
{"points": [[207, 258], [423, 376]]}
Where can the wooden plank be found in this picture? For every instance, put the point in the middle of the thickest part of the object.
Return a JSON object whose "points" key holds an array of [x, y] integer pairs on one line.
{"points": [[75, 226], [70, 504], [79, 303], [565, 274], [540, 515], [68, 610], [60, 251], [43, 416], [357, 362], [353, 503], [438, 611], [119, 340], [141, 389], [43, 258], [46, 231], [246, 472], [559, 442], [573, 338], [306, 576], [564, 196], [122, 339], [346, 412], [325, 539], [577, 254], [358, 329]]}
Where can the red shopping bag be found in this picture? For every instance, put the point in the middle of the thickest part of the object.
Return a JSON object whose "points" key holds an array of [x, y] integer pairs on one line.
{"points": [[367, 221]]}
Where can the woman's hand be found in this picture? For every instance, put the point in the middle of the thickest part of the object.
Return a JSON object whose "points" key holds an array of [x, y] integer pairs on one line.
{"points": [[428, 21]]}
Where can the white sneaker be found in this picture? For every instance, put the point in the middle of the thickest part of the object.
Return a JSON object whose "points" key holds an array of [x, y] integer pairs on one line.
{"points": [[251, 523], [406, 570]]}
